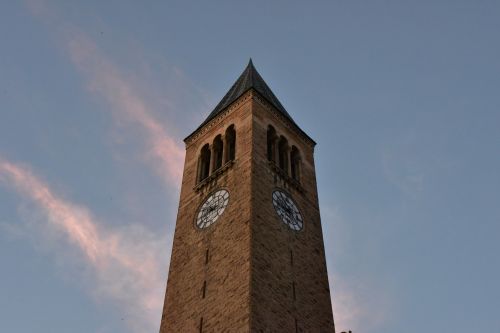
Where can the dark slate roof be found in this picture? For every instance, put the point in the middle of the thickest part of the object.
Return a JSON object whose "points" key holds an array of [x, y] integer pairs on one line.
{"points": [[249, 79]]}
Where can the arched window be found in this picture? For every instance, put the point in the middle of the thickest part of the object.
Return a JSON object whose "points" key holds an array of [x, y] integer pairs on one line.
{"points": [[295, 163], [204, 163], [271, 143], [230, 143], [283, 154], [217, 148]]}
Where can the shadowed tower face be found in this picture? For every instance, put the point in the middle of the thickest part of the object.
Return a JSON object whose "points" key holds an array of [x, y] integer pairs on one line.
{"points": [[248, 253]]}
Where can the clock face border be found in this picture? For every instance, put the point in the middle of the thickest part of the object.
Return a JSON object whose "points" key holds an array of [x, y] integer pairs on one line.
{"points": [[298, 210], [205, 201]]}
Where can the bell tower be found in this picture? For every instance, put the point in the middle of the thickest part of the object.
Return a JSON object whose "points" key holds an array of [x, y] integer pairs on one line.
{"points": [[248, 253]]}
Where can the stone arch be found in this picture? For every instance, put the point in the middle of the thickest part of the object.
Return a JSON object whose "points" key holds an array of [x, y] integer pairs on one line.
{"points": [[271, 144], [204, 163]]}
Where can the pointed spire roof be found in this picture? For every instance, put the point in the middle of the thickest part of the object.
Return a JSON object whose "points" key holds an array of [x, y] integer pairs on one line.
{"points": [[249, 79]]}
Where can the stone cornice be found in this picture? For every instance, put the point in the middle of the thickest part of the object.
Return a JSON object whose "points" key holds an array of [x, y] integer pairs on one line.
{"points": [[211, 180], [195, 135], [263, 102], [285, 180]]}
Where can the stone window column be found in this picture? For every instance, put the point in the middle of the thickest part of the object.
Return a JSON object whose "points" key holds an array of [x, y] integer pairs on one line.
{"points": [[276, 150], [299, 169], [217, 152], [212, 160], [284, 155], [288, 161], [295, 163], [198, 169], [225, 150]]}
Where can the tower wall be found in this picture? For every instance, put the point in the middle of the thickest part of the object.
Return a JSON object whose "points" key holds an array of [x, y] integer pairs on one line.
{"points": [[282, 258], [225, 307], [248, 272]]}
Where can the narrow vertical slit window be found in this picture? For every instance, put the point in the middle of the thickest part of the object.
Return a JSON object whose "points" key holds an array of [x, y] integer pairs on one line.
{"points": [[296, 326], [201, 325], [291, 257], [206, 257], [204, 289]]}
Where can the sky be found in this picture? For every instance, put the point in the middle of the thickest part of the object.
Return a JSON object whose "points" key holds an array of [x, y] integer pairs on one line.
{"points": [[402, 97]]}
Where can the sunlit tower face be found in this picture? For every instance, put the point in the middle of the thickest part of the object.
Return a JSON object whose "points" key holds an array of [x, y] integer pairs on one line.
{"points": [[248, 252]]}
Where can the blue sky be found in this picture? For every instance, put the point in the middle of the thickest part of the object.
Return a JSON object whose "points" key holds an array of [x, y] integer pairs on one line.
{"points": [[402, 98]]}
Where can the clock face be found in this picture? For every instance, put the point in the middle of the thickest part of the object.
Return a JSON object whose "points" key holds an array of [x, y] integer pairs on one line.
{"points": [[287, 210], [212, 208]]}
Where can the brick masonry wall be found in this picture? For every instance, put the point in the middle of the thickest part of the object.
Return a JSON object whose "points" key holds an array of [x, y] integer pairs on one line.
{"points": [[225, 307], [273, 273]]}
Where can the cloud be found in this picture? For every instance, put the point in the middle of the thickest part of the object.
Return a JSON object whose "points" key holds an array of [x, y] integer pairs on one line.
{"points": [[105, 80], [128, 105], [346, 309], [126, 264], [346, 306], [403, 170], [358, 303], [357, 306], [410, 161]]}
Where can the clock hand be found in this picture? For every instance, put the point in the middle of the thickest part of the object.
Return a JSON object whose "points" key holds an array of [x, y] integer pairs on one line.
{"points": [[205, 211], [208, 210]]}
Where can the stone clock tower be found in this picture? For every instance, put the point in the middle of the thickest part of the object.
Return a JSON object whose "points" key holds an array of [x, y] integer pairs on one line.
{"points": [[248, 253]]}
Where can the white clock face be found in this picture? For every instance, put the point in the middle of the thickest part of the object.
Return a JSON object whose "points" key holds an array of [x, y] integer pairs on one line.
{"points": [[212, 208], [287, 210]]}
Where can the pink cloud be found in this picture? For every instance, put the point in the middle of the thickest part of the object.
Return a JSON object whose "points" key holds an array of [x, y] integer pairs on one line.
{"points": [[358, 303], [127, 264], [105, 80], [128, 106], [358, 307], [347, 311]]}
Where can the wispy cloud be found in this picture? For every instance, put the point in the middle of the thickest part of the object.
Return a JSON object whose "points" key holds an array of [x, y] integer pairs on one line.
{"points": [[126, 265], [409, 161], [357, 304], [403, 170], [346, 306], [105, 80], [346, 309]]}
